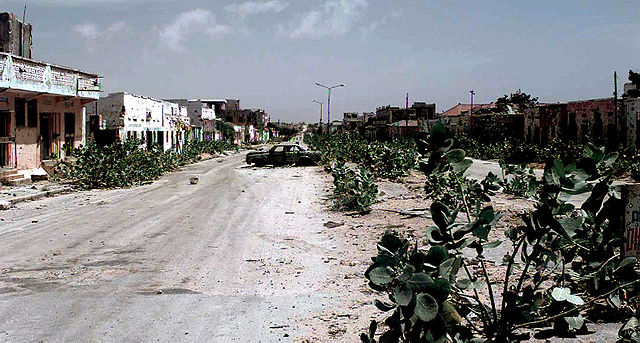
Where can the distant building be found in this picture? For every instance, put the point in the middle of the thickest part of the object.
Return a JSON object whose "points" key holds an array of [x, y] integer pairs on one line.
{"points": [[15, 36], [464, 109], [253, 121], [581, 121], [352, 121], [482, 121]]}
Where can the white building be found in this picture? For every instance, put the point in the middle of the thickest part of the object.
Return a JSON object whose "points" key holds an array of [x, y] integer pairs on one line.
{"points": [[129, 116], [176, 124], [204, 114]]}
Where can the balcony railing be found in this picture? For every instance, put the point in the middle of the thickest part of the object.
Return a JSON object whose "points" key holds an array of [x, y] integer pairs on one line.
{"points": [[32, 76]]}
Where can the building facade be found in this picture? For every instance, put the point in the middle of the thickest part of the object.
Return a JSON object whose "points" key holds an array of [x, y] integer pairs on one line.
{"points": [[41, 110], [125, 116]]}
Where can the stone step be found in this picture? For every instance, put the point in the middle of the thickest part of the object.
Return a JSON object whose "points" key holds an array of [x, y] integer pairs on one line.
{"points": [[12, 177], [18, 182], [8, 172]]}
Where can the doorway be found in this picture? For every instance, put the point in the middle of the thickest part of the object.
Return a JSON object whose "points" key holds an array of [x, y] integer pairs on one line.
{"points": [[5, 138], [45, 136]]}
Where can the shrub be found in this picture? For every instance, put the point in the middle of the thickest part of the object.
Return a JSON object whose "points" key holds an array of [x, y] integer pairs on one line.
{"points": [[564, 260], [354, 189], [125, 164]]}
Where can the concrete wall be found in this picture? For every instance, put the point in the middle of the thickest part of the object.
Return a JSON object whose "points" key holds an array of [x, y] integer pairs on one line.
{"points": [[594, 121], [544, 123], [15, 37]]}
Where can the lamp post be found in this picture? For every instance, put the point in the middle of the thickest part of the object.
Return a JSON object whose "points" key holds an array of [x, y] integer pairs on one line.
{"points": [[320, 122], [329, 103]]}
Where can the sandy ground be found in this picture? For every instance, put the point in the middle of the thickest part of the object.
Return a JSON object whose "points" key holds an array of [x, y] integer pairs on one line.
{"points": [[359, 234]]}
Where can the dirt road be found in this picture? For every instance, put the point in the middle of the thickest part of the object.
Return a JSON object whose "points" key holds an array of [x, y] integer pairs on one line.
{"points": [[236, 257]]}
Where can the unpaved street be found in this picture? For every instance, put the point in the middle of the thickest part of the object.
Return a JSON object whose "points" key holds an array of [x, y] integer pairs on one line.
{"points": [[237, 257]]}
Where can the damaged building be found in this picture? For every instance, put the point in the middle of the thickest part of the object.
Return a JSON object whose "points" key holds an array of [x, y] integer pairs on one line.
{"points": [[41, 104], [41, 110], [123, 116], [581, 121]]}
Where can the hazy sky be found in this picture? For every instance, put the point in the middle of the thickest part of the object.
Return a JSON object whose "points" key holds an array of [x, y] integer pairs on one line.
{"points": [[270, 53]]}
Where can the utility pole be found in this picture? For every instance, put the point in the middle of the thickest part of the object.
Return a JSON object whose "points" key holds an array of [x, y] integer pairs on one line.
{"points": [[615, 104], [406, 113], [471, 109]]}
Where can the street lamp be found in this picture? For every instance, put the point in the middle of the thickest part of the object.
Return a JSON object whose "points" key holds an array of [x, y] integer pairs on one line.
{"points": [[319, 102], [329, 102]]}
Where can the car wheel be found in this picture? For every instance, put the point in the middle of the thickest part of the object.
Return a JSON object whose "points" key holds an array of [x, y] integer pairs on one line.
{"points": [[259, 163]]}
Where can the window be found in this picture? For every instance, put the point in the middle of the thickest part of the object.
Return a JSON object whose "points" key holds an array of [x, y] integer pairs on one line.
{"points": [[32, 113], [20, 105], [278, 149]]}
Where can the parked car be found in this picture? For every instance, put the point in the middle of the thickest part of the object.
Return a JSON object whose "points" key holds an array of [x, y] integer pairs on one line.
{"points": [[282, 154]]}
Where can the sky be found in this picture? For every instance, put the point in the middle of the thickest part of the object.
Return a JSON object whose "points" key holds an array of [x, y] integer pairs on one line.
{"points": [[270, 53]]}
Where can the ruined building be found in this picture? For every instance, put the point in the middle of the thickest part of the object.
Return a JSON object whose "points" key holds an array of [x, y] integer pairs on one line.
{"points": [[15, 36]]}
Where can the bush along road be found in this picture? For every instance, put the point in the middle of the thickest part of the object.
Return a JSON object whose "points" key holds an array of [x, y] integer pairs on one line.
{"points": [[561, 269]]}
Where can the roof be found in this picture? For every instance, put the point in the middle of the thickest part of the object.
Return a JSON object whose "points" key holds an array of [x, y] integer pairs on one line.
{"points": [[460, 109], [208, 100], [49, 64]]}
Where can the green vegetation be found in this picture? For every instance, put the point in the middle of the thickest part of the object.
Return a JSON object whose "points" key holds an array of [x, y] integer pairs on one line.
{"points": [[126, 164], [388, 160], [354, 189], [564, 265], [515, 151]]}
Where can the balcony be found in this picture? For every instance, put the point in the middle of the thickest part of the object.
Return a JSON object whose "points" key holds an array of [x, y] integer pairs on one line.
{"points": [[27, 75]]}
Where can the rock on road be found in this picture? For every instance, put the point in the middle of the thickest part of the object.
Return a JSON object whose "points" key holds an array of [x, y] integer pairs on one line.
{"points": [[236, 257]]}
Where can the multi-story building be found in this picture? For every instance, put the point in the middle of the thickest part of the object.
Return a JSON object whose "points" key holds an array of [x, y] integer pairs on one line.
{"points": [[41, 104], [41, 110], [253, 122], [128, 116], [205, 115]]}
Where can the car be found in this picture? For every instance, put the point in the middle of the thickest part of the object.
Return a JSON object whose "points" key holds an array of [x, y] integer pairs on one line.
{"points": [[281, 154]]}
